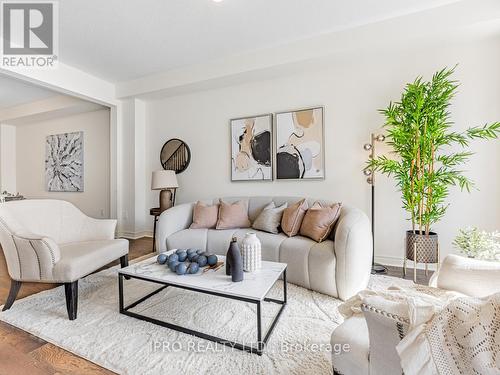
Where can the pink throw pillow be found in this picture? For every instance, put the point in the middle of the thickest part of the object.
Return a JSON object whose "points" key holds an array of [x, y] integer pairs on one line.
{"points": [[204, 216], [233, 215]]}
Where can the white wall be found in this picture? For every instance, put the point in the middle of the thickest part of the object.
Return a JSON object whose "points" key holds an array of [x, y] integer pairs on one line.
{"points": [[351, 89], [30, 145], [8, 158]]}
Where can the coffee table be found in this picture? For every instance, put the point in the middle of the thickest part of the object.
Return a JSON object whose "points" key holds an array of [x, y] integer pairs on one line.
{"points": [[253, 289]]}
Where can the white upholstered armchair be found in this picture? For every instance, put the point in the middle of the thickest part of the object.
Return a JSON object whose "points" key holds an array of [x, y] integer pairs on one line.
{"points": [[52, 241], [374, 335]]}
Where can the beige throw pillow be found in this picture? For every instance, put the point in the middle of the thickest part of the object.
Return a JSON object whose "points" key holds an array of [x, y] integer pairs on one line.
{"points": [[233, 215], [319, 221], [270, 218], [204, 216], [292, 218]]}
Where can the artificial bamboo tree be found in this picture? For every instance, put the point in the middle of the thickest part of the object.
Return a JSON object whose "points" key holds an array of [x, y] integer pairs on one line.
{"points": [[429, 154]]}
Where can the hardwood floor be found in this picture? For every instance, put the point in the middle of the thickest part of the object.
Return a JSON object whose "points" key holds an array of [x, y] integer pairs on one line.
{"points": [[422, 278], [25, 354]]}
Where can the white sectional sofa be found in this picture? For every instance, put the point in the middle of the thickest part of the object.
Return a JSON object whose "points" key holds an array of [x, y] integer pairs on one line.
{"points": [[339, 266]]}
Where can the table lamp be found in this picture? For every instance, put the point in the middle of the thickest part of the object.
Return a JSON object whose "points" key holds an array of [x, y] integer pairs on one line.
{"points": [[166, 182]]}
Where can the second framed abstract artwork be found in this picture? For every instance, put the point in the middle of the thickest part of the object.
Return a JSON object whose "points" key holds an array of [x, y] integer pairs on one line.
{"points": [[251, 148], [300, 146]]}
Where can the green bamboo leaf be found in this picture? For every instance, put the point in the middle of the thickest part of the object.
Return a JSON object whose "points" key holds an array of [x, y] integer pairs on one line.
{"points": [[419, 130]]}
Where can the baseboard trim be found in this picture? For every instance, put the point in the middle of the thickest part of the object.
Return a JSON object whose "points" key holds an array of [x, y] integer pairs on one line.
{"points": [[135, 235]]}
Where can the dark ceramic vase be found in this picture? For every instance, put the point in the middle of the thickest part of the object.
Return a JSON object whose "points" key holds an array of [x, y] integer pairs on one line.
{"points": [[229, 254], [234, 262]]}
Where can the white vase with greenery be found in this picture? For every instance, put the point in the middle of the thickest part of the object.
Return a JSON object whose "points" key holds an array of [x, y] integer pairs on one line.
{"points": [[478, 244]]}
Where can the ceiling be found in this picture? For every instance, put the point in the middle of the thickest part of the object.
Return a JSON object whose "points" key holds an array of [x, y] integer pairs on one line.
{"points": [[14, 92], [121, 40]]}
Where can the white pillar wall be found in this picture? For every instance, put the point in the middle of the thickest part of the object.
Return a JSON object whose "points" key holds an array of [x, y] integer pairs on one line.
{"points": [[8, 158], [132, 182]]}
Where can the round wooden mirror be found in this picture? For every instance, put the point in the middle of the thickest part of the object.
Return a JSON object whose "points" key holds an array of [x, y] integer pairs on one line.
{"points": [[175, 155]]}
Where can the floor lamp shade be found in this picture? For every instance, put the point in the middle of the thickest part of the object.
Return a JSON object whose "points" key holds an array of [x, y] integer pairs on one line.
{"points": [[165, 180]]}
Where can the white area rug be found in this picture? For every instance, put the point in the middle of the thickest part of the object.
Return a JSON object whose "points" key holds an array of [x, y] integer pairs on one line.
{"points": [[131, 346]]}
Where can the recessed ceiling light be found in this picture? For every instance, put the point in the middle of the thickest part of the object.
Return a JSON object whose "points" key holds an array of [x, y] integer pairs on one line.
{"points": [[217, 1]]}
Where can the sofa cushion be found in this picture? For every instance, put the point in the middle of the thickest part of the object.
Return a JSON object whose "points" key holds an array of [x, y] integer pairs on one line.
{"points": [[269, 219], [319, 221], [79, 259], [295, 252], [310, 264], [218, 240], [292, 218], [204, 216], [188, 238], [322, 263], [233, 215]]}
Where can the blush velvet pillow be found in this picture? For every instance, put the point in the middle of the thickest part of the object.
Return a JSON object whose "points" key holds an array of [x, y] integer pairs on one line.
{"points": [[319, 221], [233, 215], [270, 218], [204, 216], [292, 218]]}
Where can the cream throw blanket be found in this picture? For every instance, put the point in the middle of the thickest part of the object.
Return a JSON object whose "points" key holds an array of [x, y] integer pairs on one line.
{"points": [[449, 333], [462, 338]]}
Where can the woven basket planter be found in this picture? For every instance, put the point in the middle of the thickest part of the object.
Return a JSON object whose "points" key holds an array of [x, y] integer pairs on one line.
{"points": [[427, 246]]}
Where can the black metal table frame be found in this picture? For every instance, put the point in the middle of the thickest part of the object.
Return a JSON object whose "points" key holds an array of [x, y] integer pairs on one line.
{"points": [[252, 349]]}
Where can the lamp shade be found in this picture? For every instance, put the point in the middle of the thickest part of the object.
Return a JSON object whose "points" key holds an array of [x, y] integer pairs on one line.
{"points": [[163, 180]]}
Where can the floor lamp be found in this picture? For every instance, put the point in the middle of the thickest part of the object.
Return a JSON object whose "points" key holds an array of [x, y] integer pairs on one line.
{"points": [[370, 173]]}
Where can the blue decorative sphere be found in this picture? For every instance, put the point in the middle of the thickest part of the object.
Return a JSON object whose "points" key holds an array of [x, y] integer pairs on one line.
{"points": [[190, 256], [191, 251], [181, 269], [212, 260], [202, 260], [200, 252], [172, 265], [182, 256], [173, 257], [162, 258], [194, 268], [178, 251]]}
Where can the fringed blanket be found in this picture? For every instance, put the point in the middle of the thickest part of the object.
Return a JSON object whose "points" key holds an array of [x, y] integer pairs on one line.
{"points": [[462, 338], [449, 333]]}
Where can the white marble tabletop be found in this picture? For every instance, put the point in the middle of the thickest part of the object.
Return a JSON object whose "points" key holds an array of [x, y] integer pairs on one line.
{"points": [[254, 286]]}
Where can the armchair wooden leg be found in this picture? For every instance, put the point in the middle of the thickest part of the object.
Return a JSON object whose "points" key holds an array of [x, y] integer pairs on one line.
{"points": [[71, 290], [124, 263], [14, 289]]}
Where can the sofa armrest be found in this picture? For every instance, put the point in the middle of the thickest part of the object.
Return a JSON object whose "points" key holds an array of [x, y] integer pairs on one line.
{"points": [[47, 255], [98, 229], [353, 252], [385, 331], [173, 220]]}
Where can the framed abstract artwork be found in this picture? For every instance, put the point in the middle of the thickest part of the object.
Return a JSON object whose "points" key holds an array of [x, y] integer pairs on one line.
{"points": [[300, 146], [64, 162], [251, 148]]}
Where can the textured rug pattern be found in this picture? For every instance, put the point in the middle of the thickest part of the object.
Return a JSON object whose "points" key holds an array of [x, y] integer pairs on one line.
{"points": [[298, 345]]}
